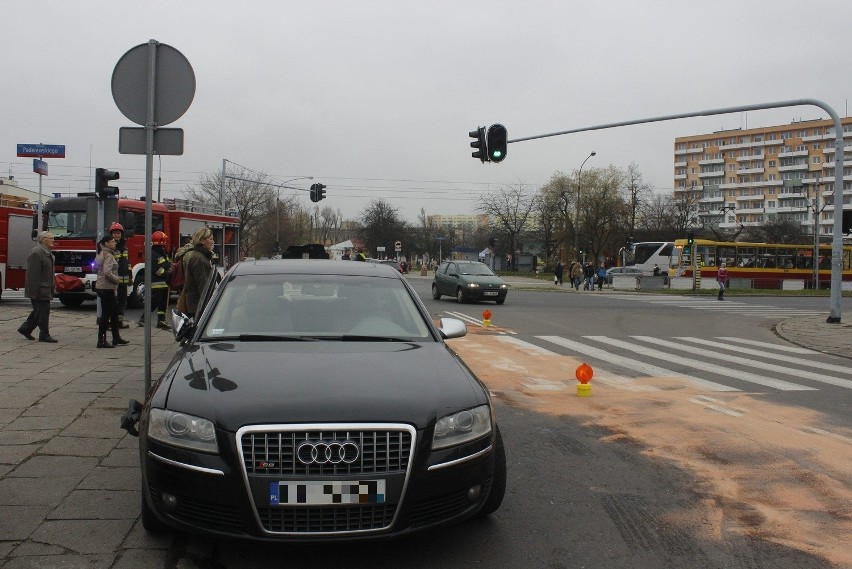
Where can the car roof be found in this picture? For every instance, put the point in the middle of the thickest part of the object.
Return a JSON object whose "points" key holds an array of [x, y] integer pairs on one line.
{"points": [[314, 266]]}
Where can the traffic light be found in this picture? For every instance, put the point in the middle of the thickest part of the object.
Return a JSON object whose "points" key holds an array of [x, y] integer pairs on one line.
{"points": [[102, 179], [690, 238], [317, 192], [497, 141], [479, 143]]}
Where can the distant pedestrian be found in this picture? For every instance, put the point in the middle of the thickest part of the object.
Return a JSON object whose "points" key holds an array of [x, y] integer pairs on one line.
{"points": [[656, 270], [107, 286], [558, 272], [576, 274], [722, 279], [601, 276], [39, 289], [589, 274], [197, 267]]}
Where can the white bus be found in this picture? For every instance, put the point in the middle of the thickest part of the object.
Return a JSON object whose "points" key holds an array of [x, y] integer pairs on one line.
{"points": [[644, 255]]}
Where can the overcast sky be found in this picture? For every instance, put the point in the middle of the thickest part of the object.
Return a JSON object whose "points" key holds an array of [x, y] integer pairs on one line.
{"points": [[375, 98]]}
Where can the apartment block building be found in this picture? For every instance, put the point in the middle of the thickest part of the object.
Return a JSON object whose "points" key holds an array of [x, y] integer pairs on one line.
{"points": [[750, 176]]}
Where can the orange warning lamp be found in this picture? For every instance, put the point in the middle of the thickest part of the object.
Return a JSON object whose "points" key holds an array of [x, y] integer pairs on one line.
{"points": [[486, 317], [584, 373]]}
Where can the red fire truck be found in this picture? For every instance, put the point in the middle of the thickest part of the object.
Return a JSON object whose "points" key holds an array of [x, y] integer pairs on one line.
{"points": [[16, 240], [75, 223]]}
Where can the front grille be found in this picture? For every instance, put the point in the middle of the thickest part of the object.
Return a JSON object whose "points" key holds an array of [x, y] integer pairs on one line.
{"points": [[274, 452], [202, 514], [327, 519]]}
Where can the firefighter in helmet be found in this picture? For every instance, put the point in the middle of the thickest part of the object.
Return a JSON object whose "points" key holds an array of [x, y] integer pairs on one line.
{"points": [[159, 289], [121, 257]]}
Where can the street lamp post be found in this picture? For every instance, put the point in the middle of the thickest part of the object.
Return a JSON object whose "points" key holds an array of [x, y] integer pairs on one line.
{"points": [[278, 212], [577, 208]]}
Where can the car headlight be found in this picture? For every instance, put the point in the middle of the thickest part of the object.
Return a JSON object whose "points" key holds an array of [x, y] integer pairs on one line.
{"points": [[462, 427], [472, 285], [502, 286], [182, 430]]}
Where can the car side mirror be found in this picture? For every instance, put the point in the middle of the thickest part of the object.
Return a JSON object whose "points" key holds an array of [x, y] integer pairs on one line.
{"points": [[182, 324], [452, 328]]}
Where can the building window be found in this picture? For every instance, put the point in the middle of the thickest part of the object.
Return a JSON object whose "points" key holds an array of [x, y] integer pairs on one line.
{"points": [[785, 135], [816, 160], [772, 163], [771, 204]]}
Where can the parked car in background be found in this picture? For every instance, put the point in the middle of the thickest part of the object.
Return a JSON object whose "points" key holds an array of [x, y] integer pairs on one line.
{"points": [[468, 280], [284, 415], [627, 271]]}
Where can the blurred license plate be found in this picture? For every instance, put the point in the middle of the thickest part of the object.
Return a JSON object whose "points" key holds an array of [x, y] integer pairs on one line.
{"points": [[320, 493], [490, 293]]}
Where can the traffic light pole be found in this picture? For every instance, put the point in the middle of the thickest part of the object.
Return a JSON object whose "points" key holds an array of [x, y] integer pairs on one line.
{"points": [[837, 241]]}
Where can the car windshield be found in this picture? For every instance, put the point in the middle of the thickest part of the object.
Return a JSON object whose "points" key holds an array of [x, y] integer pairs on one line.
{"points": [[476, 269], [290, 307]]}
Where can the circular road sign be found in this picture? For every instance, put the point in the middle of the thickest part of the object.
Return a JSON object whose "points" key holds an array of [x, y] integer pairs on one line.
{"points": [[174, 86]]}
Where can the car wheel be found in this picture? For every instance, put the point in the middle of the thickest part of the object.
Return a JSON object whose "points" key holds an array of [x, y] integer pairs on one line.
{"points": [[501, 300], [150, 521], [435, 294], [72, 301], [460, 296], [498, 479]]}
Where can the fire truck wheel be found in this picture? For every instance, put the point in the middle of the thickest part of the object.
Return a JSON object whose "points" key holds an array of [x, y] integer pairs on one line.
{"points": [[71, 301], [134, 299]]}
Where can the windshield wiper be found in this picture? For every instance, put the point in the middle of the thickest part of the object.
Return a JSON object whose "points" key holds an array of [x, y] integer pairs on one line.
{"points": [[357, 338], [258, 338]]}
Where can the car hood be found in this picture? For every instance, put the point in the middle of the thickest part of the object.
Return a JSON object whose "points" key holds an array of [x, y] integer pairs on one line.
{"points": [[242, 383], [483, 280]]}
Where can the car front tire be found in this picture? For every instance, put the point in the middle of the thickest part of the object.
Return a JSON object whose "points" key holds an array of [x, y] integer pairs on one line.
{"points": [[460, 296], [500, 300], [435, 294]]}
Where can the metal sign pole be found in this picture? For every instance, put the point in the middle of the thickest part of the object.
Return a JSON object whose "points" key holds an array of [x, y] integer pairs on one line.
{"points": [[149, 194]]}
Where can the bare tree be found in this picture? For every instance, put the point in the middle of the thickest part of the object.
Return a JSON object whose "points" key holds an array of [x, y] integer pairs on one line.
{"points": [[247, 192], [381, 225], [604, 213], [510, 207], [637, 193]]}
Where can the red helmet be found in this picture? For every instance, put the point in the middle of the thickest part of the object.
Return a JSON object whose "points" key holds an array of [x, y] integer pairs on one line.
{"points": [[158, 238], [116, 226]]}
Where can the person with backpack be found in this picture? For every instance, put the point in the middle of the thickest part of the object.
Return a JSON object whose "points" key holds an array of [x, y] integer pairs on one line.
{"points": [[601, 276], [159, 287]]}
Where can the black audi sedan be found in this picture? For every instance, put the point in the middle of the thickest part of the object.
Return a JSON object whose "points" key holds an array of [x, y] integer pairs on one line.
{"points": [[316, 400]]}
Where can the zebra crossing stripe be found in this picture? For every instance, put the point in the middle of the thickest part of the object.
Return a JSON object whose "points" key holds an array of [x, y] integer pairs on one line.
{"points": [[818, 377], [778, 347], [689, 362], [779, 357], [648, 369], [601, 376], [465, 317]]}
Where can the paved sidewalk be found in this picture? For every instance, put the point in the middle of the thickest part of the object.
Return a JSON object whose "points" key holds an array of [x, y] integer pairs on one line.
{"points": [[69, 476]]}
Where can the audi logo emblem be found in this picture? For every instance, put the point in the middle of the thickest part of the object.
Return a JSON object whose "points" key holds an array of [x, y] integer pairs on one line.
{"points": [[322, 452]]}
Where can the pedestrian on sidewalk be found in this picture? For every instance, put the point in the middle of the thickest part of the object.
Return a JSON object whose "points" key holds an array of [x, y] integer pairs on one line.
{"points": [[124, 276], [576, 274], [558, 271], [601, 276], [722, 279], [39, 289], [197, 266], [107, 285], [589, 273], [159, 288]]}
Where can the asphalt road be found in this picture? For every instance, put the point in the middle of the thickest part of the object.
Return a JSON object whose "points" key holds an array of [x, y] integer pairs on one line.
{"points": [[650, 472]]}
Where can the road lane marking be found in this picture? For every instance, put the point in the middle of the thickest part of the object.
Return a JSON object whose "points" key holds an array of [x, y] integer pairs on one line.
{"points": [[779, 347], [778, 357], [648, 369], [689, 362], [830, 380], [601, 375], [716, 405]]}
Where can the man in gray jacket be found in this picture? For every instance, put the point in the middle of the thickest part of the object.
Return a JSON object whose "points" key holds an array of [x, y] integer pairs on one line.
{"points": [[39, 289]]}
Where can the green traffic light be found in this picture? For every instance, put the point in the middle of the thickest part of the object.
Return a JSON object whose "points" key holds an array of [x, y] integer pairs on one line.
{"points": [[496, 154]]}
